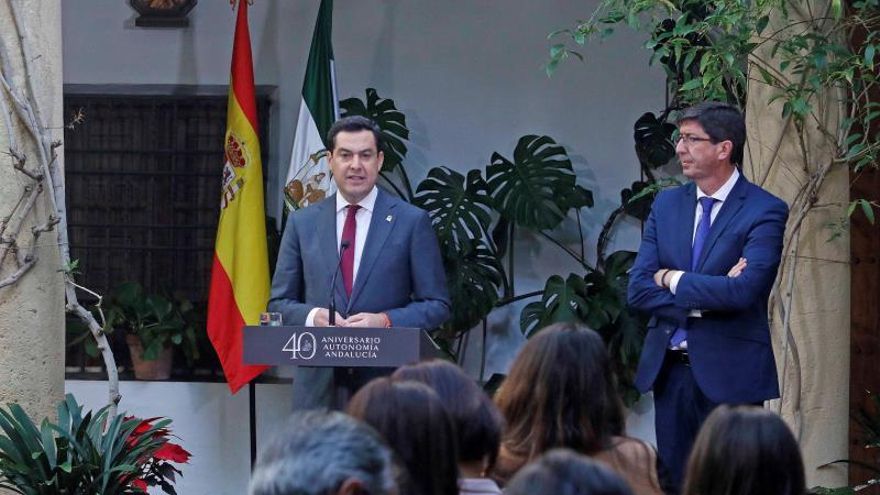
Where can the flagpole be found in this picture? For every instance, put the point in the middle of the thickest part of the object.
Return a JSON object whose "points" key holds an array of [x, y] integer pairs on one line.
{"points": [[252, 417]]}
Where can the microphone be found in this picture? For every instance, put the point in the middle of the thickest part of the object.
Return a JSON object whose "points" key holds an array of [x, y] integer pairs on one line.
{"points": [[332, 306]]}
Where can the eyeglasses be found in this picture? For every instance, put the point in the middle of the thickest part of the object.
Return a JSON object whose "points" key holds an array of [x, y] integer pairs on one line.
{"points": [[689, 140]]}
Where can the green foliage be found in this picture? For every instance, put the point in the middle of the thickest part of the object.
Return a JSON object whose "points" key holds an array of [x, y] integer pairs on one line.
{"points": [[390, 120], [71, 268], [474, 276], [158, 321], [527, 189], [653, 137], [564, 300], [77, 333], [460, 209], [636, 200], [77, 455], [711, 50], [459, 206]]}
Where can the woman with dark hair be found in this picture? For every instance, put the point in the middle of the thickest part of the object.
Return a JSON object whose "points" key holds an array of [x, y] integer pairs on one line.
{"points": [[560, 392], [476, 420], [744, 450], [414, 422], [564, 472]]}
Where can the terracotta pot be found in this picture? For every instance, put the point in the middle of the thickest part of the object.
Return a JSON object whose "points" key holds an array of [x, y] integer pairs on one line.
{"points": [[156, 369]]}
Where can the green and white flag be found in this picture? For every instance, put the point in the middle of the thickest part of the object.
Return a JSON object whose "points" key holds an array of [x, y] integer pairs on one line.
{"points": [[308, 178]]}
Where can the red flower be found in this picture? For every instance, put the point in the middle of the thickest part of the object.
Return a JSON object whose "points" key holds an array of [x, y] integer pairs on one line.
{"points": [[141, 428], [139, 484], [172, 452]]}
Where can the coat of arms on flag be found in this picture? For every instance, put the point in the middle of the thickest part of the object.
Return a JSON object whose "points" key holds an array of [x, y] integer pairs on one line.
{"points": [[236, 157], [310, 183]]}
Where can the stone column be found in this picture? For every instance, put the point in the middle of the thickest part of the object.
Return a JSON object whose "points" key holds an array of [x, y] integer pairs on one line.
{"points": [[32, 310], [816, 271]]}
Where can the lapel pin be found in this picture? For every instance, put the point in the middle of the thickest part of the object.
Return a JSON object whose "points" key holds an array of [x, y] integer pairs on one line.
{"points": [[388, 218]]}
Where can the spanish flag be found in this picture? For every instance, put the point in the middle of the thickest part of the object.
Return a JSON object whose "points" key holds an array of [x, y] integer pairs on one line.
{"points": [[240, 273]]}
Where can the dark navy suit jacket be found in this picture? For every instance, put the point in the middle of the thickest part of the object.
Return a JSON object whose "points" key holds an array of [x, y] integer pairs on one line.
{"points": [[729, 346]]}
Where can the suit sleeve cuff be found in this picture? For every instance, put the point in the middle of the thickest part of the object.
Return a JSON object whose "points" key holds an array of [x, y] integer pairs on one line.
{"points": [[673, 280], [310, 319]]}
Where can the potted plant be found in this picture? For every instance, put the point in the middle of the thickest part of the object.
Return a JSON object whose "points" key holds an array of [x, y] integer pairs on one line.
{"points": [[153, 323], [86, 453]]}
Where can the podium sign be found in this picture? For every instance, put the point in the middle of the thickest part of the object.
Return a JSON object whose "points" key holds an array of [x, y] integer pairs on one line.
{"points": [[335, 346]]}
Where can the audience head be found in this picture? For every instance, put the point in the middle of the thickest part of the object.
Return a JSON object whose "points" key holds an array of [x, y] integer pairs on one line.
{"points": [[476, 420], [563, 472], [324, 453], [560, 392], [745, 451], [417, 427]]}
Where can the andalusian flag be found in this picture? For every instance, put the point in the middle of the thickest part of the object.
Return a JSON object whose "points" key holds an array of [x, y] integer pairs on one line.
{"points": [[240, 275], [308, 178]]}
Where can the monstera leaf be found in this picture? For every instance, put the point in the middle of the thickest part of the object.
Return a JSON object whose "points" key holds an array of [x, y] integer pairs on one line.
{"points": [[653, 141], [625, 337], [473, 275], [563, 300], [577, 197], [639, 207], [390, 120], [617, 267], [459, 207], [607, 290], [529, 189]]}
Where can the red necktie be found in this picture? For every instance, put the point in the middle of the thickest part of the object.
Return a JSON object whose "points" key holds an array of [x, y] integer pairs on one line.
{"points": [[349, 230]]}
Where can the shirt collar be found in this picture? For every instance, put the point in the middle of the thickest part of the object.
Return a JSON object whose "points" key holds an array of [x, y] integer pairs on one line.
{"points": [[722, 193], [368, 203]]}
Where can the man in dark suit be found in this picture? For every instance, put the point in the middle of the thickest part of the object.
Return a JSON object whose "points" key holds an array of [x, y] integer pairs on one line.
{"points": [[709, 255], [391, 272]]}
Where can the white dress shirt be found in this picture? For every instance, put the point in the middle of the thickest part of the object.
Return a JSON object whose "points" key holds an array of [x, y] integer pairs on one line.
{"points": [[363, 217], [720, 197]]}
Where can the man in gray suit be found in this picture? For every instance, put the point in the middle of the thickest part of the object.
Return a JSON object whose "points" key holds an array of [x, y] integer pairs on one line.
{"points": [[390, 270]]}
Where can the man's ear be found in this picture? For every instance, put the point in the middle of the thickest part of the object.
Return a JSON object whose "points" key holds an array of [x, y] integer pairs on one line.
{"points": [[351, 486], [726, 150], [381, 157]]}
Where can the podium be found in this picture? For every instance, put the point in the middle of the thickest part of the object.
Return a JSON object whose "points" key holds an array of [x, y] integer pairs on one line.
{"points": [[331, 347], [337, 346]]}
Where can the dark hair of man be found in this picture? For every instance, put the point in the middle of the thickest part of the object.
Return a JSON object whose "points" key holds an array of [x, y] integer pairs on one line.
{"points": [[354, 123], [414, 422], [317, 452], [722, 122], [744, 450], [563, 472], [560, 392], [477, 421]]}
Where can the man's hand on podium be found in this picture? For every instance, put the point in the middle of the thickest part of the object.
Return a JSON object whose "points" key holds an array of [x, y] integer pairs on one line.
{"points": [[368, 320], [322, 318]]}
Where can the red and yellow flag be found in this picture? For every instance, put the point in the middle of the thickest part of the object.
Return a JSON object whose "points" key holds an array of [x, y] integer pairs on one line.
{"points": [[240, 274]]}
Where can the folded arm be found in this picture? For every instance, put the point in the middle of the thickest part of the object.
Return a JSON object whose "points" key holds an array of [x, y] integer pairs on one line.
{"points": [[643, 294], [762, 249]]}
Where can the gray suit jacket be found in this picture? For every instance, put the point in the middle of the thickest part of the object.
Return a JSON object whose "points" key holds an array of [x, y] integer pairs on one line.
{"points": [[400, 273]]}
